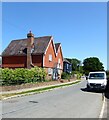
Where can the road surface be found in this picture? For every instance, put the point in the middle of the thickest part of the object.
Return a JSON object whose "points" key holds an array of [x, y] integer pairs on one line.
{"points": [[68, 102]]}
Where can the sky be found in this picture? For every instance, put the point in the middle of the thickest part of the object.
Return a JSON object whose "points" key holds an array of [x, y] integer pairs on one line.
{"points": [[80, 27]]}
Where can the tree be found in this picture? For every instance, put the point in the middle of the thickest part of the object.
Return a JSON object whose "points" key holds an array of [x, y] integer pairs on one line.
{"points": [[92, 64], [75, 64]]}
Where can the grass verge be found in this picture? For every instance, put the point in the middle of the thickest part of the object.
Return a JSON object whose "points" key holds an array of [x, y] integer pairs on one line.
{"points": [[36, 90]]}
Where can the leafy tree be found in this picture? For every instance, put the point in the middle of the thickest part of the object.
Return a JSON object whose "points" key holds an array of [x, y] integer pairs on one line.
{"points": [[92, 64]]}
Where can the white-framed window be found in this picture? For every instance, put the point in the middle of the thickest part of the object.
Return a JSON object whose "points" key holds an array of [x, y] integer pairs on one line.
{"points": [[59, 61], [32, 49], [67, 66], [58, 65], [50, 57], [50, 71]]}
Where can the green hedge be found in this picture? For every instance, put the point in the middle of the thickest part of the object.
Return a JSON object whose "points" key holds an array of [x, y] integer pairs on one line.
{"points": [[65, 75], [22, 75]]}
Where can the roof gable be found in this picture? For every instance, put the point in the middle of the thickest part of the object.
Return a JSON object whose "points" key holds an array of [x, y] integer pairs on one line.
{"points": [[60, 48], [57, 46]]}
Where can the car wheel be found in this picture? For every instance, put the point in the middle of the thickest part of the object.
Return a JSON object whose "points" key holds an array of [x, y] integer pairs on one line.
{"points": [[88, 86]]}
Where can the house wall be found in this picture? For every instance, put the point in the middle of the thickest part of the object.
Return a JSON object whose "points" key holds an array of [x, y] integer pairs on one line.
{"points": [[20, 61], [50, 51], [13, 61], [59, 56], [55, 59], [67, 67], [37, 60]]}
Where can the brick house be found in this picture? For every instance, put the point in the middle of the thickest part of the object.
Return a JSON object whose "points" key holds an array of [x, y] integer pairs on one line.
{"points": [[34, 51]]}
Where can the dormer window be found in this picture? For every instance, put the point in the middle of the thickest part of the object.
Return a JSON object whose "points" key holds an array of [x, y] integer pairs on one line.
{"points": [[20, 51], [32, 49]]}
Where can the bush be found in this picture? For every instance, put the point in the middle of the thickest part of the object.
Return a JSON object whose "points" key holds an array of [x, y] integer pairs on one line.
{"points": [[22, 75], [7, 76], [78, 74], [65, 75]]}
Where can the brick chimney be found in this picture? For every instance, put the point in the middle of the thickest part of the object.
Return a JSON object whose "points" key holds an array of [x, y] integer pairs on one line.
{"points": [[30, 43]]}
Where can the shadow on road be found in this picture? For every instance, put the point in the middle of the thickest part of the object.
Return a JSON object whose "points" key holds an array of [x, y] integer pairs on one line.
{"points": [[92, 90]]}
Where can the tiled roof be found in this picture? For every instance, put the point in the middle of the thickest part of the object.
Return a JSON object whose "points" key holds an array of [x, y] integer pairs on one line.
{"points": [[57, 46], [19, 47]]}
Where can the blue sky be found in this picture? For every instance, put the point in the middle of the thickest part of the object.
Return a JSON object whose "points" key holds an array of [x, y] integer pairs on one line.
{"points": [[80, 27]]}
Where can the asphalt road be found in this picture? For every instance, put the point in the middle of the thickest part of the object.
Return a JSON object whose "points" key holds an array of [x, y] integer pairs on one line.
{"points": [[67, 102]]}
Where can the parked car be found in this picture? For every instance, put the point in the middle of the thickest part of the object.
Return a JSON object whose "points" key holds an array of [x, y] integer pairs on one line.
{"points": [[97, 80]]}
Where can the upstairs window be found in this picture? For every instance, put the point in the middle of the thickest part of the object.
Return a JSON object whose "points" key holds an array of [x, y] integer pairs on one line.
{"points": [[50, 57], [67, 66], [59, 60]]}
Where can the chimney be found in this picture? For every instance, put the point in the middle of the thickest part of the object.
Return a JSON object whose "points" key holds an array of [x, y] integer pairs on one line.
{"points": [[30, 43]]}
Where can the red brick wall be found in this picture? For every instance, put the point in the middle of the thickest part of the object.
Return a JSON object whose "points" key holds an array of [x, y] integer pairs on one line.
{"points": [[14, 61], [50, 51], [59, 56], [55, 58], [37, 60], [20, 61]]}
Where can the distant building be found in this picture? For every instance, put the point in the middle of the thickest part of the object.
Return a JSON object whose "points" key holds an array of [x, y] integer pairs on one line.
{"points": [[67, 66], [34, 51]]}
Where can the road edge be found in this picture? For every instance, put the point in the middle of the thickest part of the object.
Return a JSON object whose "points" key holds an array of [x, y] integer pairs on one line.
{"points": [[31, 93], [103, 107]]}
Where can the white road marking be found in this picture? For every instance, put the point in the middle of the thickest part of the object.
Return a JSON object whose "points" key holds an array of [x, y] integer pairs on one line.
{"points": [[102, 110]]}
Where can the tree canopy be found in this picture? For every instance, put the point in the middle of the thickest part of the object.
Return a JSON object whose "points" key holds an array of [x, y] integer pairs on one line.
{"points": [[92, 64]]}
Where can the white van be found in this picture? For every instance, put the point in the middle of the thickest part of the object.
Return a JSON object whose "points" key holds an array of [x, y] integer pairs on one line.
{"points": [[97, 80]]}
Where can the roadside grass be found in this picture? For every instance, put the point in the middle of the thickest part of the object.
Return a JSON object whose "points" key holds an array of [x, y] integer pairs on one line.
{"points": [[36, 91]]}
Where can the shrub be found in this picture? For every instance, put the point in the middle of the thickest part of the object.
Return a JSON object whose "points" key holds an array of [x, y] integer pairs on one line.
{"points": [[19, 76], [7, 76], [65, 75], [78, 74], [22, 75]]}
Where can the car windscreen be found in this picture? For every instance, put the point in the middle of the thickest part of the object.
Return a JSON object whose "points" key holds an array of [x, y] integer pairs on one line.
{"points": [[96, 76]]}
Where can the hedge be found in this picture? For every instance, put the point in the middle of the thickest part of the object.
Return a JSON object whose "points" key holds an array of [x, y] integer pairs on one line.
{"points": [[65, 75], [22, 75]]}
